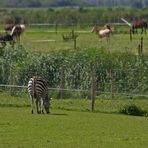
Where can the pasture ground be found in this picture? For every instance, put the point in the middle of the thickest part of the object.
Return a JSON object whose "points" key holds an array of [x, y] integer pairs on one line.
{"points": [[70, 129], [45, 39], [71, 125]]}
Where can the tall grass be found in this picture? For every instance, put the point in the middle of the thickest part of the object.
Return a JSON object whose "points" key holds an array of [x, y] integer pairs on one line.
{"points": [[125, 71], [103, 103]]}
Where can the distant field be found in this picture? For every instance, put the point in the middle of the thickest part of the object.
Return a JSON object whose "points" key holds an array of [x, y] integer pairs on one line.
{"points": [[44, 39]]}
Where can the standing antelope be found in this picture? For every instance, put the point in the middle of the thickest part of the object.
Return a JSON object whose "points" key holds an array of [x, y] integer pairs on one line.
{"points": [[18, 30], [7, 37], [143, 24], [105, 32], [139, 24], [37, 89]]}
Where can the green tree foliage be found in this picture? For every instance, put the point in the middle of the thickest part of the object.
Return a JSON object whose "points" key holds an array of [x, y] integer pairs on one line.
{"points": [[57, 3], [75, 16]]}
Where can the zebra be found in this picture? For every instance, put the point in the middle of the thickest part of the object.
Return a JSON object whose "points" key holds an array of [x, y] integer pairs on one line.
{"points": [[37, 89]]}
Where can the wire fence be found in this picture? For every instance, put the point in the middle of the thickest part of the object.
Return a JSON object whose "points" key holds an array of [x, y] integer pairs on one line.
{"points": [[77, 90], [72, 24]]}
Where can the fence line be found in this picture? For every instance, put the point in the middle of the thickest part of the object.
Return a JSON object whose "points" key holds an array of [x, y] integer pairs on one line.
{"points": [[79, 90], [15, 86], [53, 31], [71, 24]]}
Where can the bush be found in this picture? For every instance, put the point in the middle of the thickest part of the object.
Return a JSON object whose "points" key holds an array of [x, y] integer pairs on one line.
{"points": [[71, 69], [132, 109]]}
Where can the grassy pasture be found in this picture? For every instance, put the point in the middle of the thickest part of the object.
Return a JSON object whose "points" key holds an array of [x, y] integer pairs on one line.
{"points": [[103, 104], [72, 129], [70, 124], [44, 39]]}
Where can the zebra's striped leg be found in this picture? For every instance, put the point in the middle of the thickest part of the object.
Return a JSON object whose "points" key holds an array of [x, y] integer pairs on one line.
{"points": [[32, 107], [32, 102], [42, 106], [38, 105]]}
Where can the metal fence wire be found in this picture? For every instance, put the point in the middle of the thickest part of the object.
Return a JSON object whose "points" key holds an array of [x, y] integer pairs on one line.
{"points": [[84, 93]]}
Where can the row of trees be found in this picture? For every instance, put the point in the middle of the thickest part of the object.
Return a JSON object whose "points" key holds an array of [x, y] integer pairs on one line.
{"points": [[57, 3], [75, 16]]}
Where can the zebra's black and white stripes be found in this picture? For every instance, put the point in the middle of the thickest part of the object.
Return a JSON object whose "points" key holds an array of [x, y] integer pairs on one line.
{"points": [[37, 89]]}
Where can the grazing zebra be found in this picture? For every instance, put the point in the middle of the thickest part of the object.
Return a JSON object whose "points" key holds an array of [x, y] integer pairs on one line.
{"points": [[37, 89]]}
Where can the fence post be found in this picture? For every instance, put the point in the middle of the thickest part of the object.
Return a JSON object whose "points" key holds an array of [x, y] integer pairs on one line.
{"points": [[62, 82], [141, 45], [111, 84], [92, 79], [75, 43], [139, 49], [74, 37], [56, 28], [11, 79], [0, 73], [130, 34]]}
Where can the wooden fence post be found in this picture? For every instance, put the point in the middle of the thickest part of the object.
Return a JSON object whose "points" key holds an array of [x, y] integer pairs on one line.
{"points": [[111, 84], [141, 45], [139, 49], [74, 37], [75, 43], [92, 79], [56, 27], [0, 73], [62, 83], [130, 34], [11, 80]]}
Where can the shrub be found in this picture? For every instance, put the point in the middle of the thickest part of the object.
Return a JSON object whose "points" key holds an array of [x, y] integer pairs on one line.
{"points": [[71, 69], [132, 109]]}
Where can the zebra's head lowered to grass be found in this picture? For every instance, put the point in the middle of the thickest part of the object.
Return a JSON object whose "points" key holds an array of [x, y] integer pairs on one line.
{"points": [[46, 104]]}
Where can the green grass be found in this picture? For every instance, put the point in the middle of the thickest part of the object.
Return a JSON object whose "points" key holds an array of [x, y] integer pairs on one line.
{"points": [[64, 129], [71, 124], [102, 104], [119, 42]]}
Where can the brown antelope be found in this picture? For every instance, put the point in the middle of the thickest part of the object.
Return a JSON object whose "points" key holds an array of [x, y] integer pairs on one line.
{"points": [[139, 24], [17, 29], [103, 33], [7, 37]]}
